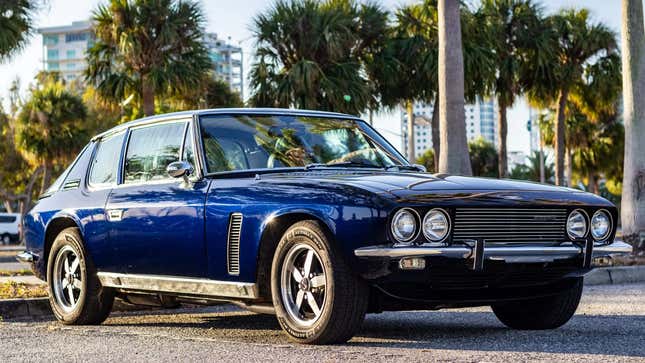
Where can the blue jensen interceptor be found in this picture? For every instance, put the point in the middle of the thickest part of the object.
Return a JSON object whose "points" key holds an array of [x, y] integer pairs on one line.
{"points": [[311, 216]]}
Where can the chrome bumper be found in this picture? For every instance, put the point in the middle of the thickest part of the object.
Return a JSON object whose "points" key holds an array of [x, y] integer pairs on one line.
{"points": [[510, 254], [25, 257]]}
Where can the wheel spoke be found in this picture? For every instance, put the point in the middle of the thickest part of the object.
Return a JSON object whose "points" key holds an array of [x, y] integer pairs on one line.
{"points": [[64, 284], [67, 266], [299, 297], [70, 293], [318, 281], [308, 262], [77, 284], [74, 266], [296, 275], [313, 304]]}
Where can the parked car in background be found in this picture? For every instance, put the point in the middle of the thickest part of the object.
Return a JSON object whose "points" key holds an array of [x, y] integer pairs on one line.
{"points": [[9, 228], [311, 216]]}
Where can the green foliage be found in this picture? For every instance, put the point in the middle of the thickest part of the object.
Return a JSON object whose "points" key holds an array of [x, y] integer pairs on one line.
{"points": [[16, 22], [310, 54], [211, 93], [427, 160], [147, 48], [531, 171], [483, 157]]}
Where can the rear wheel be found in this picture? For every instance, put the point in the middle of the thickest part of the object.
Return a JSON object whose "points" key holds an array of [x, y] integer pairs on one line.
{"points": [[317, 299], [6, 239], [75, 293], [542, 313]]}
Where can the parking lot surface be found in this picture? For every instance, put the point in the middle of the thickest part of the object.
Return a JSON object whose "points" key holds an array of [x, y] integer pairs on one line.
{"points": [[609, 326]]}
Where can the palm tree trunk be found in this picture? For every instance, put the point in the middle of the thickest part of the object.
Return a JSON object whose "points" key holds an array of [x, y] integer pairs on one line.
{"points": [[454, 157], [568, 166], [410, 125], [633, 51], [7, 206], [560, 137], [502, 130], [148, 97], [47, 176], [436, 138], [593, 185]]}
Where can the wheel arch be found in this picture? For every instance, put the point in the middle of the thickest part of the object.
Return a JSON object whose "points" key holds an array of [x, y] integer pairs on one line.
{"points": [[57, 224], [272, 230]]}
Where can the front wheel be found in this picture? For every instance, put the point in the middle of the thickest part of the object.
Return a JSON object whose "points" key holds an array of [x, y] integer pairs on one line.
{"points": [[541, 313], [75, 293], [317, 299]]}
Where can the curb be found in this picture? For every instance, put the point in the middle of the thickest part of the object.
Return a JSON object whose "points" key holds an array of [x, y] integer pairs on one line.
{"points": [[615, 275], [39, 308]]}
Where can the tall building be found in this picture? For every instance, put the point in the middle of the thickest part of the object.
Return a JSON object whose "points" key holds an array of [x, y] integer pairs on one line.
{"points": [[64, 48], [228, 60], [533, 124], [481, 120]]}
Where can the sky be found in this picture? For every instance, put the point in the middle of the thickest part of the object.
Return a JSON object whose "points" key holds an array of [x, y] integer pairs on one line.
{"points": [[234, 18]]}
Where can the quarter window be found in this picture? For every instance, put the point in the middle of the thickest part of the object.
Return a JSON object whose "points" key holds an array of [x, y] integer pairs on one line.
{"points": [[150, 150], [104, 167]]}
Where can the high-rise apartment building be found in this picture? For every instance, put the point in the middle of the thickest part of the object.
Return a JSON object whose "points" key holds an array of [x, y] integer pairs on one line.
{"points": [[227, 60], [65, 47], [481, 120]]}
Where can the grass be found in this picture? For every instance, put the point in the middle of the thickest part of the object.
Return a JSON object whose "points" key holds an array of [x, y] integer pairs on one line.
{"points": [[23, 272], [15, 290]]}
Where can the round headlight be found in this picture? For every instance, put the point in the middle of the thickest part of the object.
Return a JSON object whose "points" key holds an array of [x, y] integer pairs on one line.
{"points": [[577, 224], [436, 225], [404, 225], [600, 225]]}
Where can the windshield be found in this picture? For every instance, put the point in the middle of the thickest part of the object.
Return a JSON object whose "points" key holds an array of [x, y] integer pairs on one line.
{"points": [[242, 142]]}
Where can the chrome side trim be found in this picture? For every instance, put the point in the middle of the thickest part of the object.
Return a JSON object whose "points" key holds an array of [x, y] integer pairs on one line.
{"points": [[179, 285], [510, 254], [25, 257]]}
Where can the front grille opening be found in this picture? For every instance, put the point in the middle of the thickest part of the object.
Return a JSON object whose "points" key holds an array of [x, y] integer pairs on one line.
{"points": [[510, 225]]}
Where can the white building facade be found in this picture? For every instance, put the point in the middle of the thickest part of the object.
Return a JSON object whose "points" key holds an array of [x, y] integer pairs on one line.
{"points": [[65, 47], [228, 61], [481, 120]]}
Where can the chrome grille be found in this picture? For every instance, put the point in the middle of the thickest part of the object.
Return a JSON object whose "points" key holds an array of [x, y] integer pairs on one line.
{"points": [[510, 225], [233, 243]]}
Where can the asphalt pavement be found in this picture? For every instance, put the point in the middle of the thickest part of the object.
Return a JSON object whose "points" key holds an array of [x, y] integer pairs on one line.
{"points": [[609, 327]]}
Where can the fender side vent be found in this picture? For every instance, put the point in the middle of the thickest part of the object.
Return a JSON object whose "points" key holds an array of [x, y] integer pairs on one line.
{"points": [[233, 243]]}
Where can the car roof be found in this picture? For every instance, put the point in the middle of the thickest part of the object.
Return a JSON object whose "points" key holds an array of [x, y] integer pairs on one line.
{"points": [[223, 111]]}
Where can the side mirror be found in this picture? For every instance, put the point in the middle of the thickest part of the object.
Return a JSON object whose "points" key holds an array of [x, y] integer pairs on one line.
{"points": [[178, 169]]}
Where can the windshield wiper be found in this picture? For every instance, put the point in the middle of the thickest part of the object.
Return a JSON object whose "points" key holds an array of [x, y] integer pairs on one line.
{"points": [[355, 164], [405, 167]]}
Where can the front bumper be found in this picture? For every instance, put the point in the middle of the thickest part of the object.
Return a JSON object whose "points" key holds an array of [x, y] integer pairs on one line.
{"points": [[478, 251]]}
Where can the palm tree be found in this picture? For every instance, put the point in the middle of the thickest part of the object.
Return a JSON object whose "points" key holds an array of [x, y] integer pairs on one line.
{"points": [[483, 157], [16, 19], [146, 48], [454, 147], [50, 128], [514, 28], [577, 45], [309, 55], [416, 79], [633, 50], [531, 171]]}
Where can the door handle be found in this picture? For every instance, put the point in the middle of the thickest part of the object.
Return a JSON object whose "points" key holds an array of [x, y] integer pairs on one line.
{"points": [[115, 215]]}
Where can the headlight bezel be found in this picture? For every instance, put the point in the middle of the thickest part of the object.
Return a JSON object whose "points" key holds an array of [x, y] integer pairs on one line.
{"points": [[587, 221], [609, 227], [417, 226], [448, 221]]}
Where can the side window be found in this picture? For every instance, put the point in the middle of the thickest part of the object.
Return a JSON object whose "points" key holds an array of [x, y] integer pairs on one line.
{"points": [[150, 150], [104, 167]]}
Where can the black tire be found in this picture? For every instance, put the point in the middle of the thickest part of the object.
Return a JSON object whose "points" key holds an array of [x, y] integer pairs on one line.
{"points": [[94, 302], [5, 239], [542, 313], [345, 294]]}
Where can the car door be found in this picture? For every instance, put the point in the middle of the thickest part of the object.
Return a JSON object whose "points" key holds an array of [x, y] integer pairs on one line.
{"points": [[157, 222]]}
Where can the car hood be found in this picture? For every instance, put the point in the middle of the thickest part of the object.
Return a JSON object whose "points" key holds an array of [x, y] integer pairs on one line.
{"points": [[425, 187]]}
